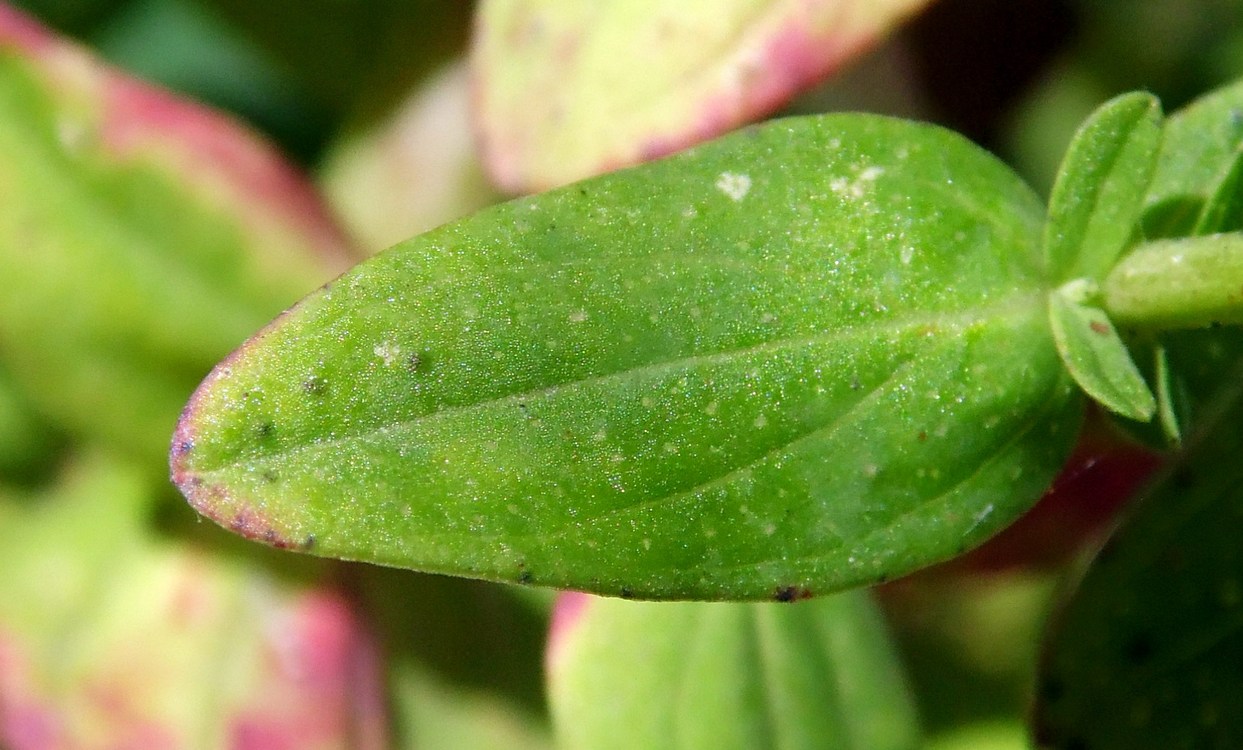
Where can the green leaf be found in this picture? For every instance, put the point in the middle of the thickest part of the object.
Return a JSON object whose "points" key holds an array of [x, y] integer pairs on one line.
{"points": [[141, 237], [1097, 197], [812, 354], [1199, 152], [1146, 653], [557, 95], [692, 675], [1095, 355], [1223, 211]]}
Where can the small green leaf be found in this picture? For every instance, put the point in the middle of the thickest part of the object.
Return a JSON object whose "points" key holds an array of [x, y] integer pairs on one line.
{"points": [[1095, 355], [818, 674], [1147, 651], [1199, 154], [814, 353], [1099, 191], [557, 98]]}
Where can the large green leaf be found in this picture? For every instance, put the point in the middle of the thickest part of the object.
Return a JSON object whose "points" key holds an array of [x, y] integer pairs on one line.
{"points": [[1148, 650], [689, 675], [810, 355], [568, 90]]}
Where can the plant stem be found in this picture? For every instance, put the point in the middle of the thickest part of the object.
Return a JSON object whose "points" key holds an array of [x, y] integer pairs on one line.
{"points": [[1190, 282]]}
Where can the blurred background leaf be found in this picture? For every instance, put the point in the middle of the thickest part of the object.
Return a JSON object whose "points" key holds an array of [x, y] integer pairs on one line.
{"points": [[811, 674], [558, 99], [1146, 650], [142, 238], [113, 637]]}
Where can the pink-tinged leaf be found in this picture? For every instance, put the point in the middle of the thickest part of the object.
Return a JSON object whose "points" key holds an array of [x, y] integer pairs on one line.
{"points": [[413, 170], [113, 637], [216, 157], [567, 613], [567, 90], [141, 237]]}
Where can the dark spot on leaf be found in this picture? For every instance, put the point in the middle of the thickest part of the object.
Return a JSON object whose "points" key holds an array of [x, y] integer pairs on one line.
{"points": [[315, 386], [791, 593], [523, 408], [414, 362], [309, 542], [923, 436], [269, 476], [1099, 327], [525, 577], [1138, 650], [265, 430], [626, 592]]}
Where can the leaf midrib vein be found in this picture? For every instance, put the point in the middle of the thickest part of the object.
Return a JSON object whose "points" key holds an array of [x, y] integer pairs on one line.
{"points": [[1013, 307]]}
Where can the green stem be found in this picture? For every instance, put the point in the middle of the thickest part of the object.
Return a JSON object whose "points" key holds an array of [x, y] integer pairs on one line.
{"points": [[1184, 283]]}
